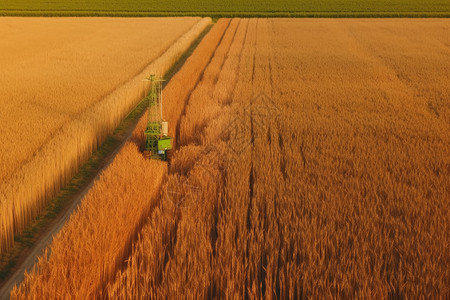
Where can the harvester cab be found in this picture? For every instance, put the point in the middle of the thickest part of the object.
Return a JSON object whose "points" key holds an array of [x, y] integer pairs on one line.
{"points": [[157, 142]]}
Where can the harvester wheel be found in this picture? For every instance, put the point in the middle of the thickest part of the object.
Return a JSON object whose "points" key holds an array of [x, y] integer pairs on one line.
{"points": [[169, 154]]}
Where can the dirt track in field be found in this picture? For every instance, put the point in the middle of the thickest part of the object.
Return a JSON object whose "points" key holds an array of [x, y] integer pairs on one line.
{"points": [[30, 257]]}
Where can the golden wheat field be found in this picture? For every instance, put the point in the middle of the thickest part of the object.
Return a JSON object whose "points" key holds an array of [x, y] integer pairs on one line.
{"points": [[65, 84], [313, 161]]}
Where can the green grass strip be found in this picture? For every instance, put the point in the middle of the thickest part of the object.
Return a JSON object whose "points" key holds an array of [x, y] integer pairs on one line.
{"points": [[228, 14]]}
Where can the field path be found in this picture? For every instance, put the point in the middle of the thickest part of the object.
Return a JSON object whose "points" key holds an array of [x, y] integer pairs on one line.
{"points": [[46, 238]]}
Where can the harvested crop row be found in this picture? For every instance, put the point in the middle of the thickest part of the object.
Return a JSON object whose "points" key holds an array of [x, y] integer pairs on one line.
{"points": [[100, 232], [182, 84], [195, 181], [308, 168], [49, 153]]}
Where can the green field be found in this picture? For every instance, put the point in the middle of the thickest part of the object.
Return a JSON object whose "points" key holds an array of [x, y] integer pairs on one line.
{"points": [[229, 8]]}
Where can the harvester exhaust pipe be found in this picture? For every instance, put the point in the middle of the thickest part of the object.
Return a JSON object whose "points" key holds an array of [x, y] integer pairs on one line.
{"points": [[164, 128]]}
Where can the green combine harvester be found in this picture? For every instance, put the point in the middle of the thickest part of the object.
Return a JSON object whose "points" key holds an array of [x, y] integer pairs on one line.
{"points": [[157, 144]]}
